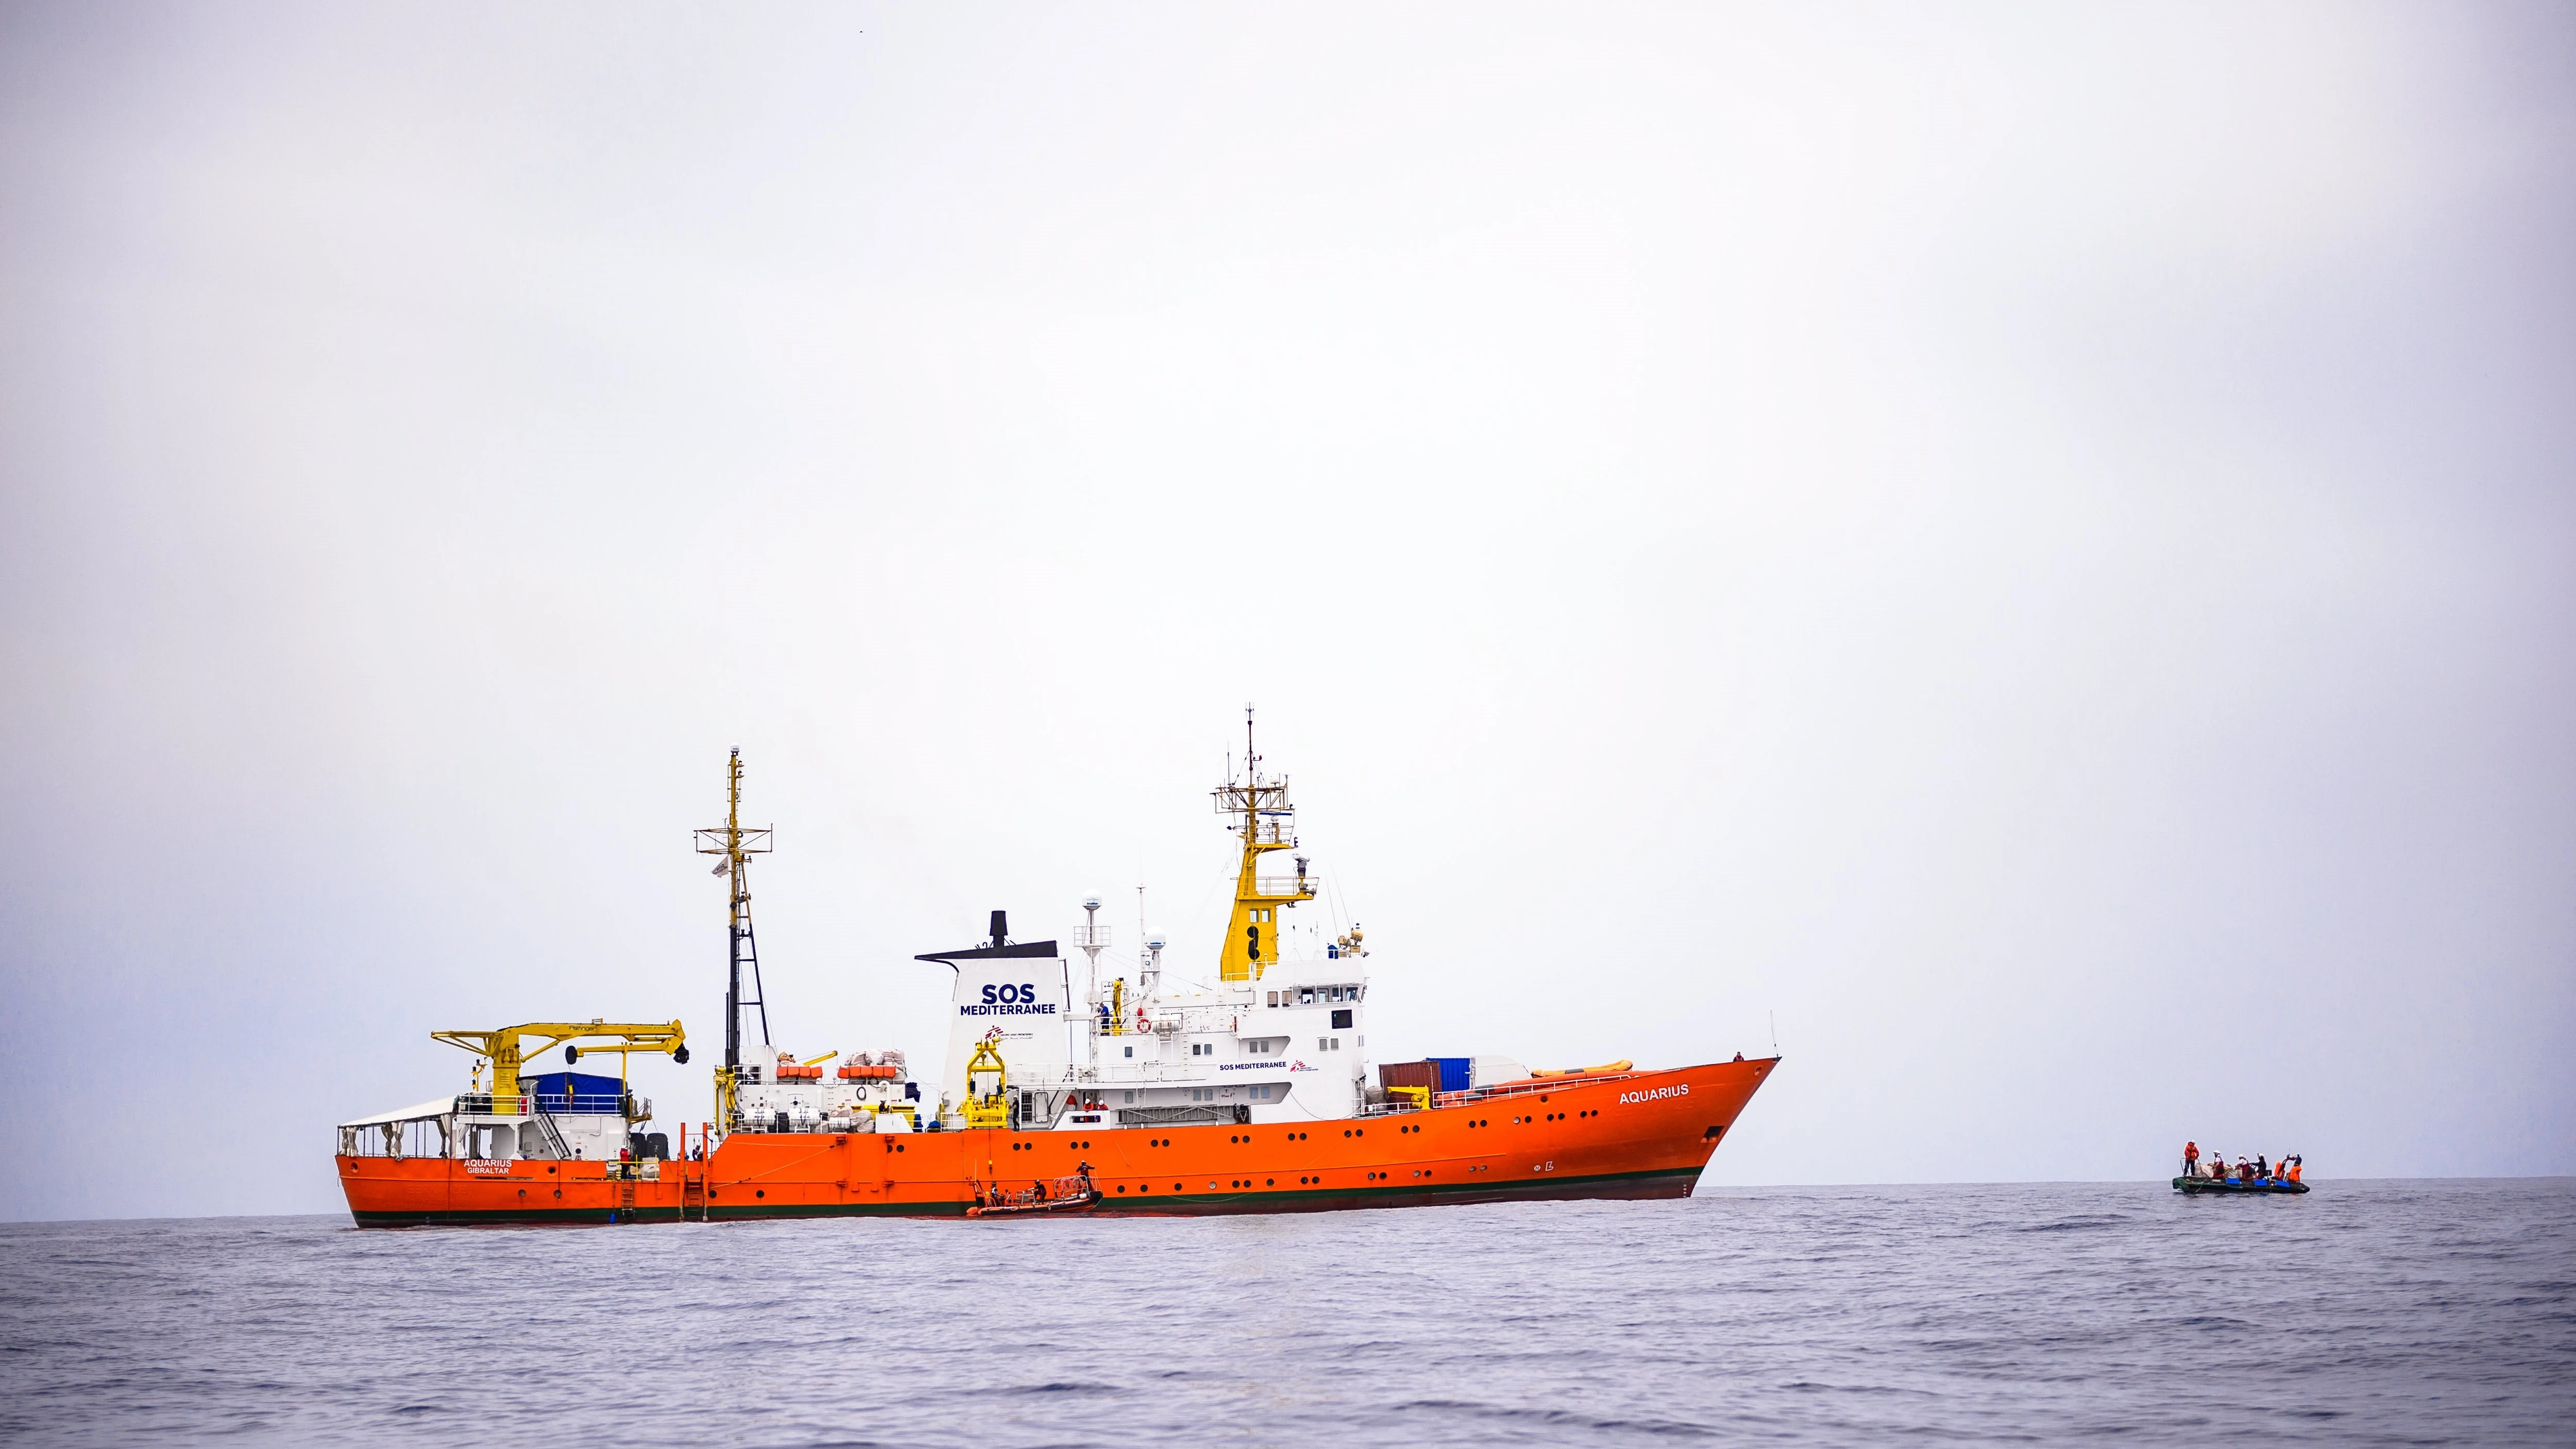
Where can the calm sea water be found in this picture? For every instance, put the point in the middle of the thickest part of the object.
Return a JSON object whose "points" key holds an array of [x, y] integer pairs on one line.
{"points": [[2364, 1313]]}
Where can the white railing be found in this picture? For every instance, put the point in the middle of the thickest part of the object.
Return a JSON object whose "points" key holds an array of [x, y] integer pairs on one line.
{"points": [[1168, 1023], [1526, 1089]]}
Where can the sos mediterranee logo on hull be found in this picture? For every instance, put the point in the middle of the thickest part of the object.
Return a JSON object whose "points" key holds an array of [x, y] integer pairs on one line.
{"points": [[1655, 1094], [1009, 1000]]}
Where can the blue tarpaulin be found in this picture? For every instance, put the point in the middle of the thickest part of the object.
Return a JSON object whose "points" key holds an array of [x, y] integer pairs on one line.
{"points": [[573, 1092]]}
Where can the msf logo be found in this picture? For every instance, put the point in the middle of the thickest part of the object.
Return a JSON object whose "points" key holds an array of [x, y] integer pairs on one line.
{"points": [[1022, 994]]}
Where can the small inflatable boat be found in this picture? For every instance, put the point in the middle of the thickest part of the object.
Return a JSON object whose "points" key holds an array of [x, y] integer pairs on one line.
{"points": [[1070, 1195], [2235, 1184]]}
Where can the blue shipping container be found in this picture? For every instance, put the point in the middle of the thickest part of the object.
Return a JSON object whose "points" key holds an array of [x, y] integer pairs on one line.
{"points": [[1453, 1072]]}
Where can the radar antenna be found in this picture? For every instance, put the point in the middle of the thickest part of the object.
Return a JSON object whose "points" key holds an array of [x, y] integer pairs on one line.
{"points": [[1093, 938]]}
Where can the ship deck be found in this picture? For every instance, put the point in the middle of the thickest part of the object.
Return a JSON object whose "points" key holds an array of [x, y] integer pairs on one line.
{"points": [[1629, 1135]]}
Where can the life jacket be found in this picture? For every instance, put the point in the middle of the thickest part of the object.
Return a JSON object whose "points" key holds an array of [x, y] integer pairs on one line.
{"points": [[2294, 1172]]}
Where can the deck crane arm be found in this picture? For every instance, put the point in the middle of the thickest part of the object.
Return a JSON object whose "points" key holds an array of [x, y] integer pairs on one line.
{"points": [[507, 1052]]}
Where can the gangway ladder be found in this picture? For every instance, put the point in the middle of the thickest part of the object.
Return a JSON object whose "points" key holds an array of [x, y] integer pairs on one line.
{"points": [[546, 1127], [693, 1193], [626, 1194]]}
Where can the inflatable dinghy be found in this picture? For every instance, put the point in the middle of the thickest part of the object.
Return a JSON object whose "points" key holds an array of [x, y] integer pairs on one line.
{"points": [[2232, 1184]]}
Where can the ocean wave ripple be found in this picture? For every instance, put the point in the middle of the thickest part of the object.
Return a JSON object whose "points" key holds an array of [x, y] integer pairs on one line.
{"points": [[2364, 1313]]}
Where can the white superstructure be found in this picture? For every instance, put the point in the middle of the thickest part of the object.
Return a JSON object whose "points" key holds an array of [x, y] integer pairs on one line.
{"points": [[1276, 1038]]}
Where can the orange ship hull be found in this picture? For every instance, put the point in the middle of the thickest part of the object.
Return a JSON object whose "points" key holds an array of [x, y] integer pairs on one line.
{"points": [[1632, 1135]]}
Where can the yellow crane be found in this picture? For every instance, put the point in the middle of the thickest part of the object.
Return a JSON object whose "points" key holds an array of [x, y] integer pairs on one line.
{"points": [[504, 1049], [987, 1109]]}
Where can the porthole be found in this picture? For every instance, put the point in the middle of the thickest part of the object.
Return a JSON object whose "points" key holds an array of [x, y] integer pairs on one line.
{"points": [[1122, 1187], [1269, 1182], [760, 1192]]}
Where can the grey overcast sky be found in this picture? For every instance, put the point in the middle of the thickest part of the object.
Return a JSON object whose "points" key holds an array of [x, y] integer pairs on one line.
{"points": [[2033, 545]]}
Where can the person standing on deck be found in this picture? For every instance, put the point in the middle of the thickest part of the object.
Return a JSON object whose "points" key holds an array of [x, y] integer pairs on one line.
{"points": [[2191, 1159]]}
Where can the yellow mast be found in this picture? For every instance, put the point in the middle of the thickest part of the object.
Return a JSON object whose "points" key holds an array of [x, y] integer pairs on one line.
{"points": [[1267, 822]]}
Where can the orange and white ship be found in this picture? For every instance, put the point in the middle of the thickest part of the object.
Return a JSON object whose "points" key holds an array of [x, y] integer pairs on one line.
{"points": [[1250, 1093]]}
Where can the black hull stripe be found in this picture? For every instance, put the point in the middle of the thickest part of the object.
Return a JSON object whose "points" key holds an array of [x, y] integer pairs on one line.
{"points": [[1617, 1185]]}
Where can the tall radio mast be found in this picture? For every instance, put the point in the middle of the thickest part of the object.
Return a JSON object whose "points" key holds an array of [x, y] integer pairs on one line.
{"points": [[737, 846]]}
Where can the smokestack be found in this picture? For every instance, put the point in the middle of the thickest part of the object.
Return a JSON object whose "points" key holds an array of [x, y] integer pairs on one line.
{"points": [[1001, 928]]}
